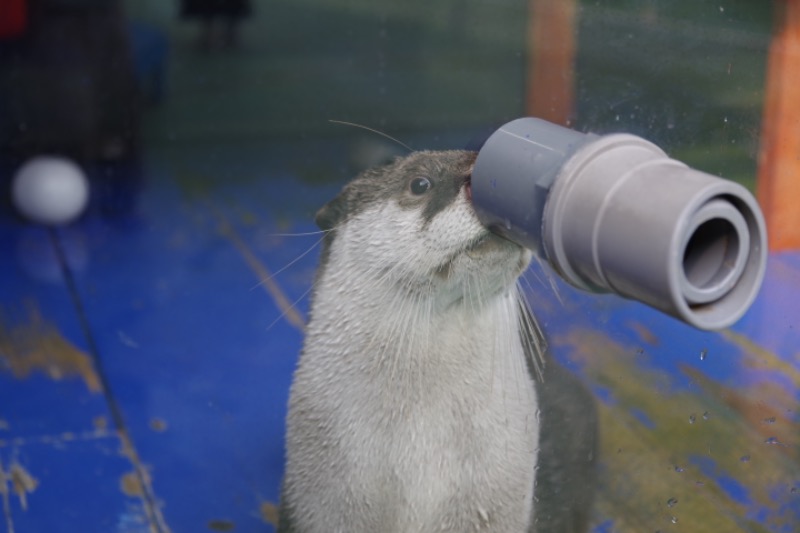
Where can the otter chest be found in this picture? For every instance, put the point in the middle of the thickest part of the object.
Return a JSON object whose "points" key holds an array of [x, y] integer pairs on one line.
{"points": [[451, 446]]}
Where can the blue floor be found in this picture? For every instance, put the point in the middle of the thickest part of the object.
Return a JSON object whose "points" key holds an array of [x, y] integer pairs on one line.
{"points": [[145, 363]]}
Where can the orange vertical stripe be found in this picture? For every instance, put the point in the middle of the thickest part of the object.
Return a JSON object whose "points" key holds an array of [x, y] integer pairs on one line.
{"points": [[13, 18], [550, 90], [779, 158]]}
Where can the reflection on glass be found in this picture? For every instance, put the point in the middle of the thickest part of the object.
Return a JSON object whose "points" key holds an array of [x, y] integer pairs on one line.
{"points": [[210, 133]]}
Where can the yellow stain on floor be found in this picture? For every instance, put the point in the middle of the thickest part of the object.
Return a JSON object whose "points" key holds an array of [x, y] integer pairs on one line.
{"points": [[139, 483], [669, 456], [762, 359], [20, 481], [269, 513], [131, 485], [36, 345]]}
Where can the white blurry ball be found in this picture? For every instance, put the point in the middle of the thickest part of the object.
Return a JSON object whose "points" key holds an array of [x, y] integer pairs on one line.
{"points": [[50, 190]]}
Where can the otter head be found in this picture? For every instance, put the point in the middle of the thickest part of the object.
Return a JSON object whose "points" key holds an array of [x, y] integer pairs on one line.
{"points": [[411, 224]]}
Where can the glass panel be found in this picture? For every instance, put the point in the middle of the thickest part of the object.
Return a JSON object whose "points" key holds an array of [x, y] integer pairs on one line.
{"points": [[158, 269]]}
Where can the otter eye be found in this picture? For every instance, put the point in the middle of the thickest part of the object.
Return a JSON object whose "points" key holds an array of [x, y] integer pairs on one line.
{"points": [[420, 185]]}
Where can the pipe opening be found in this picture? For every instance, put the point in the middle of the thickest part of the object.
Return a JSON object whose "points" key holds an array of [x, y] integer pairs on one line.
{"points": [[711, 254]]}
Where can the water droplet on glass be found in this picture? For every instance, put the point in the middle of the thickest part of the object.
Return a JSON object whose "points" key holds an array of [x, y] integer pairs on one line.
{"points": [[772, 440], [745, 458], [692, 418], [721, 9], [679, 469], [674, 519], [703, 354], [672, 502], [507, 224], [706, 415], [770, 420], [699, 483], [794, 490]]}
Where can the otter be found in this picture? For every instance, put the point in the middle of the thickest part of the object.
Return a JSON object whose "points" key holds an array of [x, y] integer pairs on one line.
{"points": [[425, 399]]}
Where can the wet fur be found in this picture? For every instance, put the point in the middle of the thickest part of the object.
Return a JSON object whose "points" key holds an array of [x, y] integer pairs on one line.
{"points": [[424, 399]]}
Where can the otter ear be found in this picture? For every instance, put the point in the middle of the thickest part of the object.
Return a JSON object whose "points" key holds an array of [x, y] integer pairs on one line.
{"points": [[332, 213]]}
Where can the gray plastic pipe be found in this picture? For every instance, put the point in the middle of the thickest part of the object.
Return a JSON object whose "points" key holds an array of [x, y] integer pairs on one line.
{"points": [[614, 213]]}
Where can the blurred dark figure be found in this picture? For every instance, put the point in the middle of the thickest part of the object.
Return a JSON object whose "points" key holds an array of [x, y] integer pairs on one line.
{"points": [[216, 16], [68, 87], [150, 50]]}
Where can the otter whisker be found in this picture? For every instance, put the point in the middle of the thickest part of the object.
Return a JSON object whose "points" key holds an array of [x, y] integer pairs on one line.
{"points": [[551, 280], [532, 272], [532, 336], [303, 234], [292, 306], [292, 262], [386, 135]]}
